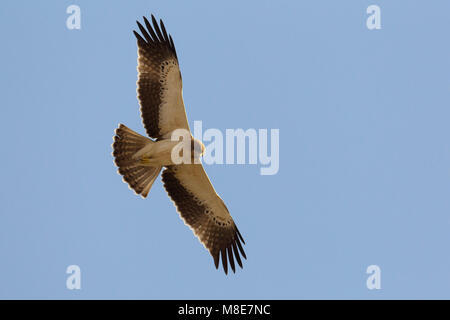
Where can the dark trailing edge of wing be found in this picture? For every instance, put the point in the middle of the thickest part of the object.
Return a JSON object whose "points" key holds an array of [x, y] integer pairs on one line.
{"points": [[155, 35]]}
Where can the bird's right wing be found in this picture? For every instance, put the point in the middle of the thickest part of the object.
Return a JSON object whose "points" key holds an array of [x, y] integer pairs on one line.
{"points": [[159, 85]]}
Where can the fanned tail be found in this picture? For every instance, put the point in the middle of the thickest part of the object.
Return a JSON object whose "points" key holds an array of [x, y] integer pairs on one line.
{"points": [[140, 178]]}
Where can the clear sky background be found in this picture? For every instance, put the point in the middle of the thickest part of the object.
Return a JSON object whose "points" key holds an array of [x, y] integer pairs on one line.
{"points": [[364, 149]]}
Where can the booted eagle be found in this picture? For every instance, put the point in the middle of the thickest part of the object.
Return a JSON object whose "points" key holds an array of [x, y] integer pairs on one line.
{"points": [[140, 159]]}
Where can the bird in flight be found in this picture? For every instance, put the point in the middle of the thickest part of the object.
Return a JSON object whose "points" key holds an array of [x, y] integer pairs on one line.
{"points": [[140, 159]]}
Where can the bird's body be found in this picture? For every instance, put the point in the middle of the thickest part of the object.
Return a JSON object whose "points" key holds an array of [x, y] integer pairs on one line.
{"points": [[141, 159], [157, 153]]}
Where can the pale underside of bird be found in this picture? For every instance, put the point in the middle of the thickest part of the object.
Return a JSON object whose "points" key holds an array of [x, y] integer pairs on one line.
{"points": [[140, 159]]}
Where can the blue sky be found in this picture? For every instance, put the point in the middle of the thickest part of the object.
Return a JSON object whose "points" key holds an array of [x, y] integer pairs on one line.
{"points": [[364, 149]]}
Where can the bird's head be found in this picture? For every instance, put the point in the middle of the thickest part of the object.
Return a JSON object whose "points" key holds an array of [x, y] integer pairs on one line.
{"points": [[197, 148]]}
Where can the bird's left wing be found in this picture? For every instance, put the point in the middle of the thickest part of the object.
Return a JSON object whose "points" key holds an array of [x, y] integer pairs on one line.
{"points": [[204, 212], [159, 85]]}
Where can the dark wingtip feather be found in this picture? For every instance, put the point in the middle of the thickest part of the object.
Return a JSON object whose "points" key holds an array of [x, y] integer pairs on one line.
{"points": [[240, 248], [156, 27], [224, 260], [236, 254], [163, 29], [239, 234], [230, 257], [216, 259], [154, 19], [138, 36], [172, 45]]}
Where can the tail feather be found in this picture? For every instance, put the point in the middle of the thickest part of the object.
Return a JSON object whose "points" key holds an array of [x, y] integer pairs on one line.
{"points": [[126, 143]]}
